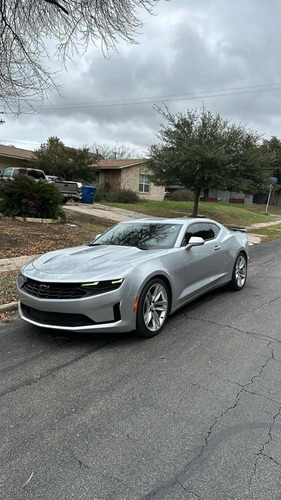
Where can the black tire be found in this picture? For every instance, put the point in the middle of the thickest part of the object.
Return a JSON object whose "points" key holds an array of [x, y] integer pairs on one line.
{"points": [[239, 274], [153, 308]]}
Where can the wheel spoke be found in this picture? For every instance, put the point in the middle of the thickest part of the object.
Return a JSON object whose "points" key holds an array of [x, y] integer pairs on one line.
{"points": [[147, 317], [156, 320], [157, 292], [161, 305]]}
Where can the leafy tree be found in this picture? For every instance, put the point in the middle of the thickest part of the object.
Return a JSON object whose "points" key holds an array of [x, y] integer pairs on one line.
{"points": [[28, 25], [69, 163], [200, 150], [273, 148]]}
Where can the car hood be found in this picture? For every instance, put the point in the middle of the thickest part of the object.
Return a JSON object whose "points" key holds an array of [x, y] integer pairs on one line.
{"points": [[90, 260]]}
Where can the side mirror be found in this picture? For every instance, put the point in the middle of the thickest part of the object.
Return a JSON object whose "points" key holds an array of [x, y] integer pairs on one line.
{"points": [[195, 241], [97, 236]]}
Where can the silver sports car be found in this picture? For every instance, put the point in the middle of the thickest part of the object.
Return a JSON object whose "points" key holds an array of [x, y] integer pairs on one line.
{"points": [[133, 276]]}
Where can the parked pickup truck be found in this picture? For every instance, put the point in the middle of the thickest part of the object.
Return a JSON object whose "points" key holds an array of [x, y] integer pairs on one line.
{"points": [[68, 189]]}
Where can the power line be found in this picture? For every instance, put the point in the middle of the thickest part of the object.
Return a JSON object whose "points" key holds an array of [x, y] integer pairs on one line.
{"points": [[270, 87], [17, 142]]}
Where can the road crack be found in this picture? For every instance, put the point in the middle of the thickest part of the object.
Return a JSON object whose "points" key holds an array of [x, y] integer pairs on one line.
{"points": [[261, 453], [243, 388], [190, 492]]}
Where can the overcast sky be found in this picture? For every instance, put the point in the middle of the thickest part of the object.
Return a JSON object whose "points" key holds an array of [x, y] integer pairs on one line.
{"points": [[223, 53]]}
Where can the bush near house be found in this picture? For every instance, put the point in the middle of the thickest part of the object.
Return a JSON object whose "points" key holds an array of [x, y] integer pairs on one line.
{"points": [[25, 197], [182, 195], [104, 193]]}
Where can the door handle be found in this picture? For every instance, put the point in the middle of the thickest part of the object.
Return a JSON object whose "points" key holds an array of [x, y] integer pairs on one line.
{"points": [[217, 247]]}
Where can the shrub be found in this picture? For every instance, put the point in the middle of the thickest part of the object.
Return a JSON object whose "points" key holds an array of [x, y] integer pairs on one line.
{"points": [[105, 193], [27, 198], [182, 195], [102, 192], [123, 196]]}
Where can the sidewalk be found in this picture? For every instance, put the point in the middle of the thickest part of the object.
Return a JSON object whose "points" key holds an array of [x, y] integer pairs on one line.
{"points": [[105, 212]]}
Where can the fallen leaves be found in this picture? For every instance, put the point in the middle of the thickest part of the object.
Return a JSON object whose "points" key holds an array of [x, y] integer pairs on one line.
{"points": [[19, 238], [6, 316], [8, 287]]}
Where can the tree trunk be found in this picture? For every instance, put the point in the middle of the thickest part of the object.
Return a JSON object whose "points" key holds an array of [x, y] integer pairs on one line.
{"points": [[196, 202]]}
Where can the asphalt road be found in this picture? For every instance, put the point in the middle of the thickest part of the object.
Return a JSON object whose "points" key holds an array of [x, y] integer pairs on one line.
{"points": [[194, 413]]}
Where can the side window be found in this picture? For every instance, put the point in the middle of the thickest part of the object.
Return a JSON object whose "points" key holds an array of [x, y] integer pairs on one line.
{"points": [[215, 228], [202, 230], [7, 172], [36, 174]]}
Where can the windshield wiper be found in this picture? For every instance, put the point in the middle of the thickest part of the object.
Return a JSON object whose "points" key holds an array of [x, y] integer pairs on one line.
{"points": [[141, 247]]}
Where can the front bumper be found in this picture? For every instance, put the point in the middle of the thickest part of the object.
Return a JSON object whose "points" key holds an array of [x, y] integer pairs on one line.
{"points": [[111, 311]]}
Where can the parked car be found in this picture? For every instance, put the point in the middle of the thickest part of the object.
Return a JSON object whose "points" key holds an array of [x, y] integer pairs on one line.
{"points": [[52, 178], [68, 189], [132, 276], [12, 172]]}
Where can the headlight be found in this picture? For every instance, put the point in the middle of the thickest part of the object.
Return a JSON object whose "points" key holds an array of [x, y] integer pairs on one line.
{"points": [[96, 287]]}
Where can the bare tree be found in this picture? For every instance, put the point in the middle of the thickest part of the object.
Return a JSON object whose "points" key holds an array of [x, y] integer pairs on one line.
{"points": [[27, 26], [117, 152]]}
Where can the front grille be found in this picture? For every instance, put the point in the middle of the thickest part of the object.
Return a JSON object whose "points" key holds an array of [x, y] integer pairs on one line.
{"points": [[66, 291], [55, 319], [53, 290]]}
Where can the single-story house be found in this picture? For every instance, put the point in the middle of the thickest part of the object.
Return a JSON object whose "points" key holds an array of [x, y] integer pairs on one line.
{"points": [[14, 157], [247, 199], [226, 196], [128, 174]]}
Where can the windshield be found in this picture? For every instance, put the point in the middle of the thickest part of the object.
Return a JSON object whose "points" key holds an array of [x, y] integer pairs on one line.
{"points": [[142, 235]]}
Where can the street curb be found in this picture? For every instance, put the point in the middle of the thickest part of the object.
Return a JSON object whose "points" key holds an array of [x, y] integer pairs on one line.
{"points": [[12, 306]]}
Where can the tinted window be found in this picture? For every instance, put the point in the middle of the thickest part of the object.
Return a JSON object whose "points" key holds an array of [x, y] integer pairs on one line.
{"points": [[202, 230], [36, 174], [141, 235], [7, 172], [215, 228]]}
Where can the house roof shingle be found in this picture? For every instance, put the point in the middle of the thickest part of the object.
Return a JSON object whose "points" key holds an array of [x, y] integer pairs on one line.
{"points": [[13, 152], [118, 164]]}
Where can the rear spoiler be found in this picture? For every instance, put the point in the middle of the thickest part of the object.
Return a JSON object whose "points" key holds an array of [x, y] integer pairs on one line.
{"points": [[237, 228]]}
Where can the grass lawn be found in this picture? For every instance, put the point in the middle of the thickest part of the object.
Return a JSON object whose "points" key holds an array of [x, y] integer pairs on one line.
{"points": [[237, 214], [268, 233]]}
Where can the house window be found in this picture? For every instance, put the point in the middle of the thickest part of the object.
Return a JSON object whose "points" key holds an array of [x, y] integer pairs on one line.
{"points": [[144, 184]]}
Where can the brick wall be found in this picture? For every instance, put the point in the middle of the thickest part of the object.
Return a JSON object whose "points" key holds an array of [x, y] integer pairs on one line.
{"points": [[130, 180], [113, 177]]}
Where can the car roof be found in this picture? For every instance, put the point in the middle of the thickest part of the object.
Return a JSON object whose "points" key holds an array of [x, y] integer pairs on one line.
{"points": [[175, 220], [27, 168]]}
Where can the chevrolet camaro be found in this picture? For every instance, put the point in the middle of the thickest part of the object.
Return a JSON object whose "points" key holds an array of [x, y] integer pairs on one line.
{"points": [[133, 276]]}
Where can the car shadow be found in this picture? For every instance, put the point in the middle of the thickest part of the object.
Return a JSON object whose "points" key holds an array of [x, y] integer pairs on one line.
{"points": [[96, 341]]}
